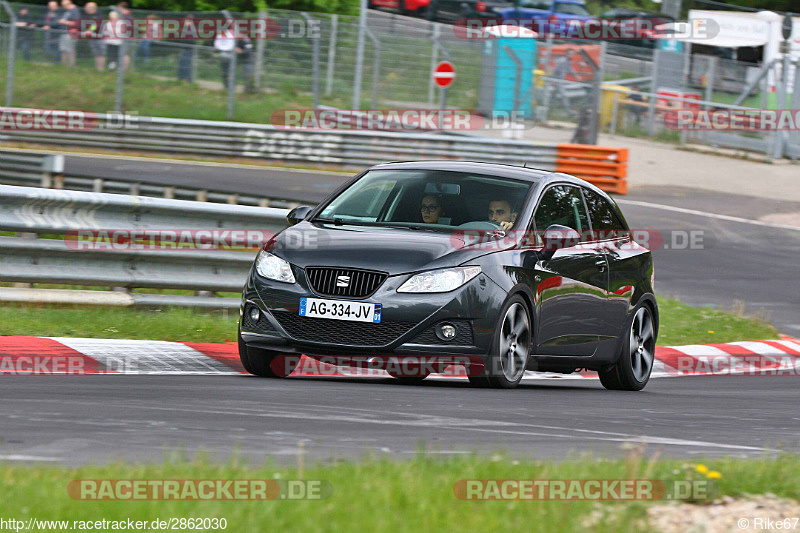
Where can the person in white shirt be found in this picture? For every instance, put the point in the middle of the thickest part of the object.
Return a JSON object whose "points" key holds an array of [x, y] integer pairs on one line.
{"points": [[225, 44]]}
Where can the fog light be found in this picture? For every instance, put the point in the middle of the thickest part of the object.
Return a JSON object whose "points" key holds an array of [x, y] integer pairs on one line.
{"points": [[255, 314], [447, 331]]}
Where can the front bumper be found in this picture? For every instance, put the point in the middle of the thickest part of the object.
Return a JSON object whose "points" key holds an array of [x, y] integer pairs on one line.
{"points": [[406, 326]]}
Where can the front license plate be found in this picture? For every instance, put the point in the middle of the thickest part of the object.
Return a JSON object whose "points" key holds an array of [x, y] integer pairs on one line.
{"points": [[340, 310]]}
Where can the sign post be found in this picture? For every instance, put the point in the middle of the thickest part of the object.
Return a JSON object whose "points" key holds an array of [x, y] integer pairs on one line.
{"points": [[444, 75], [780, 138]]}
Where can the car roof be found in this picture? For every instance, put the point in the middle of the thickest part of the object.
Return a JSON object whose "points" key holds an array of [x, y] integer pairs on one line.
{"points": [[534, 175], [495, 169]]}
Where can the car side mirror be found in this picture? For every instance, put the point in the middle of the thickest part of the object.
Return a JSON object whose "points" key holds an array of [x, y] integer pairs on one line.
{"points": [[557, 237], [298, 213]]}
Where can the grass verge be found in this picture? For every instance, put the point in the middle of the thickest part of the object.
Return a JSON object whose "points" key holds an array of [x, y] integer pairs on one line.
{"points": [[680, 324], [382, 495]]}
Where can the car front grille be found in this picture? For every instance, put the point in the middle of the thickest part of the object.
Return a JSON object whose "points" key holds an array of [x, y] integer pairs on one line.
{"points": [[332, 281], [366, 334]]}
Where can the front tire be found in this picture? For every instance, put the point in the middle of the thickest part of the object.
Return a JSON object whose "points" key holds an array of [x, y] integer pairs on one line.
{"points": [[266, 364], [511, 347], [632, 370]]}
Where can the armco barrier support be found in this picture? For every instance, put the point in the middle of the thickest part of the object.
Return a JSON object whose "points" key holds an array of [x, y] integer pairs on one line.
{"points": [[340, 148], [604, 166]]}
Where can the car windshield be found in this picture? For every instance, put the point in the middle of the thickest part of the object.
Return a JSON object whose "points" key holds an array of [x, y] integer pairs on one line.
{"points": [[428, 199], [572, 9]]}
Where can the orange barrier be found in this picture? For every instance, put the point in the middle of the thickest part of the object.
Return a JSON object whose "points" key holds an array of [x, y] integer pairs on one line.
{"points": [[604, 166]]}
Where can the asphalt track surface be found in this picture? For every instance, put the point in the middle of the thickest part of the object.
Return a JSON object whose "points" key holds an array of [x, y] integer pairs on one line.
{"points": [[94, 419], [100, 418]]}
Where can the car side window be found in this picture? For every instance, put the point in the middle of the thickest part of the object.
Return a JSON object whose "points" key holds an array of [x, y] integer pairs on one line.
{"points": [[563, 205], [605, 222]]}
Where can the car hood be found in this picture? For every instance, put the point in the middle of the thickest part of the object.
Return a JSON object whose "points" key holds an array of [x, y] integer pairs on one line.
{"points": [[392, 250]]}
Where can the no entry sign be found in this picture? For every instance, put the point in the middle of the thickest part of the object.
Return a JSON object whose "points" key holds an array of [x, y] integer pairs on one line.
{"points": [[444, 74]]}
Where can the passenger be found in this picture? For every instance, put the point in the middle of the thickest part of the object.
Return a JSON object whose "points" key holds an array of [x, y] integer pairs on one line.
{"points": [[431, 209], [501, 213]]}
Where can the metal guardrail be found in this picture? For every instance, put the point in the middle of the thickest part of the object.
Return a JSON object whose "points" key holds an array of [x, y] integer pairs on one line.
{"points": [[34, 169], [354, 149], [28, 259], [340, 148]]}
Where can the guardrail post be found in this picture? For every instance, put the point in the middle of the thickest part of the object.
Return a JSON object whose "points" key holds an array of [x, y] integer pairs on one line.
{"points": [[202, 196], [53, 172], [98, 185], [169, 192], [331, 55]]}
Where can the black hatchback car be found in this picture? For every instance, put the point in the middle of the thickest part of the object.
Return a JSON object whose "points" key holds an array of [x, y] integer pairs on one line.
{"points": [[509, 268]]}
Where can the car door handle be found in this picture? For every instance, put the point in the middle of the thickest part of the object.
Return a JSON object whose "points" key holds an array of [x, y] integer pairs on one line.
{"points": [[600, 262]]}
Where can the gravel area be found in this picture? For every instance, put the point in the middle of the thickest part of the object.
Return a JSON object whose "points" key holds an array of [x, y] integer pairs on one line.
{"points": [[727, 515]]}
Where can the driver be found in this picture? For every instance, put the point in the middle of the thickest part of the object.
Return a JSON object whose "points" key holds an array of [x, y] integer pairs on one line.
{"points": [[431, 209], [501, 213]]}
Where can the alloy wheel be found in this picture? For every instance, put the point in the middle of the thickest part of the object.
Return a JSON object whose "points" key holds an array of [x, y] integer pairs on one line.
{"points": [[515, 337], [642, 344]]}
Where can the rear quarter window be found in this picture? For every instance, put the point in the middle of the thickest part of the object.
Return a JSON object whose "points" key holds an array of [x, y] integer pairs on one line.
{"points": [[605, 222]]}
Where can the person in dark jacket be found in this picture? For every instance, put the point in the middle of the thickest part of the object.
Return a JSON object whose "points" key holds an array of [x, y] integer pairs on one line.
{"points": [[24, 32], [187, 54], [70, 14], [49, 24]]}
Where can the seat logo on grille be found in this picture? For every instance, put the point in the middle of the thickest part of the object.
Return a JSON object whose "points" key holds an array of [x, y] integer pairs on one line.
{"points": [[342, 281]]}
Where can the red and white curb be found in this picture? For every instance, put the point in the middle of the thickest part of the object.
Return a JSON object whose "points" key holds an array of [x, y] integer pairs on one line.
{"points": [[23, 355]]}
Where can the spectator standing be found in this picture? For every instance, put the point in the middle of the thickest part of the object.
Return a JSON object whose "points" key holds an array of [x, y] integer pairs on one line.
{"points": [[244, 47], [25, 33], [66, 42], [225, 44], [187, 53], [114, 43], [562, 69], [97, 46], [49, 24], [153, 32], [122, 9], [637, 111]]}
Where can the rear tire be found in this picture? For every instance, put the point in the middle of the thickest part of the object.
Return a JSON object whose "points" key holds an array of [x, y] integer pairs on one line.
{"points": [[632, 370], [511, 347], [266, 364]]}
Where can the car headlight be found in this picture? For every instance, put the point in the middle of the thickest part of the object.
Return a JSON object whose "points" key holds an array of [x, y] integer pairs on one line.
{"points": [[273, 267], [444, 280]]}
